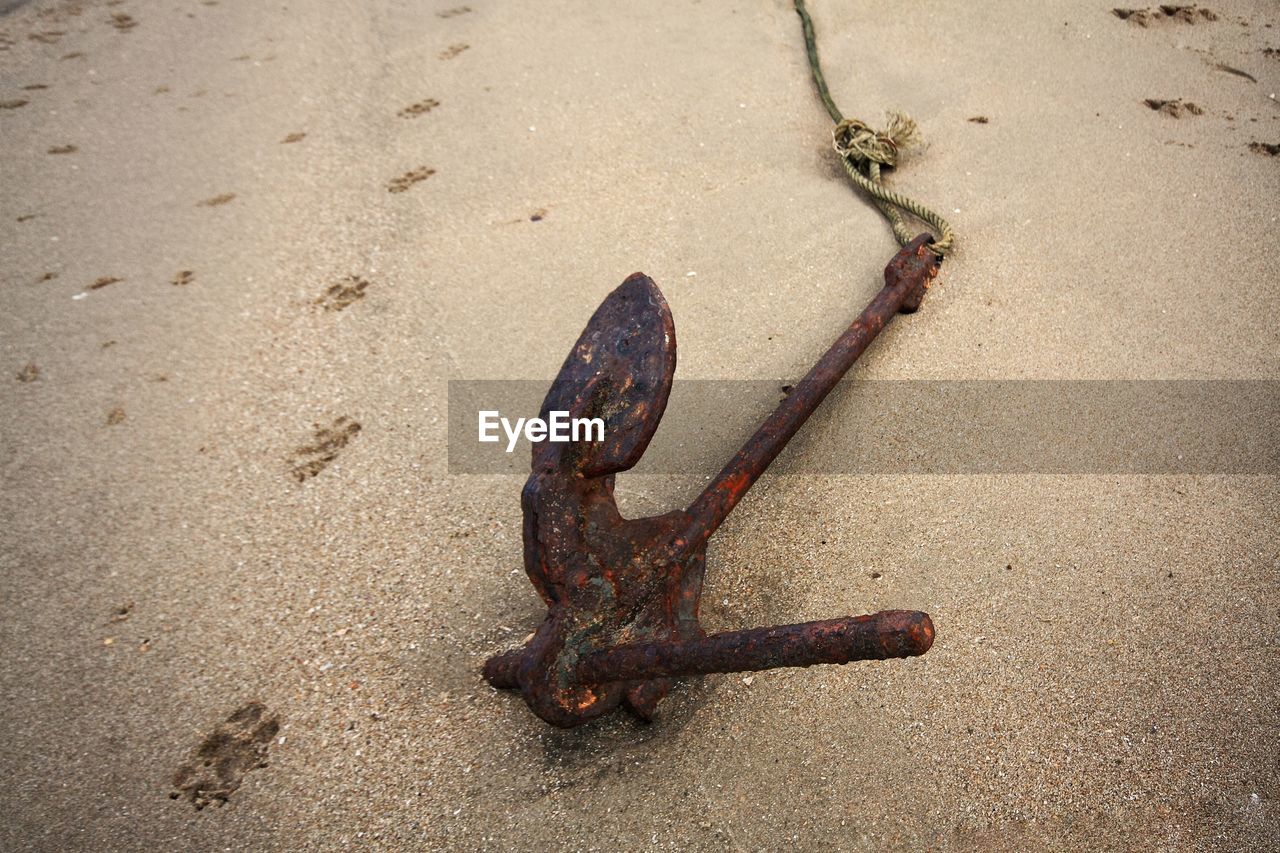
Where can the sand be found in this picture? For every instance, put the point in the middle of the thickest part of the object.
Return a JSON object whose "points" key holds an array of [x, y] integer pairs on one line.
{"points": [[317, 214]]}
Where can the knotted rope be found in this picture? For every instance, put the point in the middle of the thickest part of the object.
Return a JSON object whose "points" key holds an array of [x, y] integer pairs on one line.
{"points": [[863, 151]]}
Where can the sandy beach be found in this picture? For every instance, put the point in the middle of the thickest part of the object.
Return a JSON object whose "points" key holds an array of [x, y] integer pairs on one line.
{"points": [[244, 247]]}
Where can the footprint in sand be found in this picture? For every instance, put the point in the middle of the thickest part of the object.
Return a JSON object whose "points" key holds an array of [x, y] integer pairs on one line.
{"points": [[310, 459], [13, 104], [408, 179], [1180, 14], [297, 136], [1266, 149], [116, 416], [63, 149], [30, 373], [47, 37], [343, 294], [453, 50], [216, 201], [122, 22], [420, 108], [226, 755], [182, 277], [103, 281], [454, 12], [1176, 108]]}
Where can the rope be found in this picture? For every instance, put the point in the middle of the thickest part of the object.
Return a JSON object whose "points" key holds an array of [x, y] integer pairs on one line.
{"points": [[863, 151]]}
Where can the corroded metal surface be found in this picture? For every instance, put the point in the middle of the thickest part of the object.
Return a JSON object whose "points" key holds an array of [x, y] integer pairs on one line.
{"points": [[622, 594]]}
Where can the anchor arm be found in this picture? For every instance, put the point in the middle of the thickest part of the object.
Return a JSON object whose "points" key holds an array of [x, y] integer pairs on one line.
{"points": [[500, 670], [879, 636]]}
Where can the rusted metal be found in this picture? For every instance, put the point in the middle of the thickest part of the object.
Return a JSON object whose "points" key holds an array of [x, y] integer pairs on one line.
{"points": [[623, 594]]}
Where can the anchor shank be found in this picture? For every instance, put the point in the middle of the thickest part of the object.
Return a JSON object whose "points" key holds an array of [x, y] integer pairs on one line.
{"points": [[906, 278], [888, 634]]}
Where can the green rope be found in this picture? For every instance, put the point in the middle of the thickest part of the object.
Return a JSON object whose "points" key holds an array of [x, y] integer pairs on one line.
{"points": [[864, 151]]}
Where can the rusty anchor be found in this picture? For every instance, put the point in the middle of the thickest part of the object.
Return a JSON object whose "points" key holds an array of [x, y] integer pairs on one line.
{"points": [[622, 594]]}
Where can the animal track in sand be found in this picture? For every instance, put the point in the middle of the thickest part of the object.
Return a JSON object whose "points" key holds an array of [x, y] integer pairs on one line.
{"points": [[103, 281], [1176, 108], [1220, 66], [453, 50], [34, 87], [182, 277], [343, 294], [116, 416], [227, 754], [122, 22], [63, 149], [30, 373], [1181, 14], [408, 179], [13, 104], [47, 37], [216, 201], [978, 119], [296, 136], [27, 217], [454, 12], [1266, 149], [327, 442], [420, 108], [535, 216]]}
